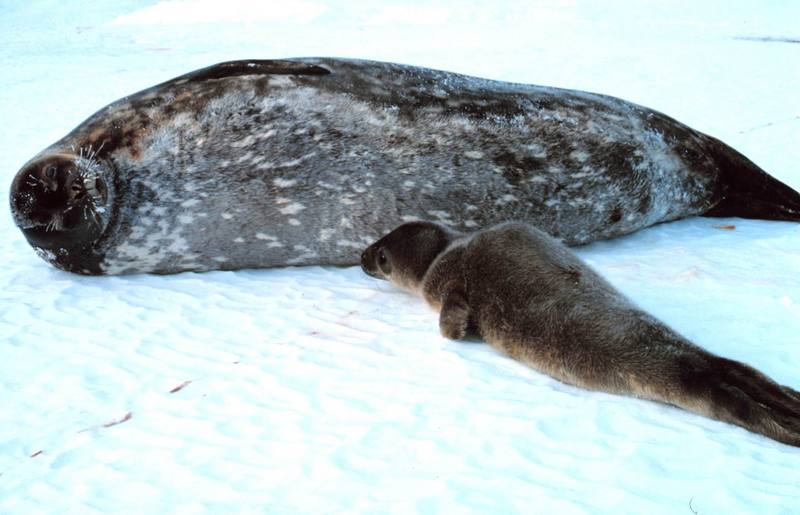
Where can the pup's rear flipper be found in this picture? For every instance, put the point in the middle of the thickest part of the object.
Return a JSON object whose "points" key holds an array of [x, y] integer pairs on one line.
{"points": [[748, 191], [739, 394]]}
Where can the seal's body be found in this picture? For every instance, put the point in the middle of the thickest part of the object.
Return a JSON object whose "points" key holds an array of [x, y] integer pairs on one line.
{"points": [[267, 163], [529, 296]]}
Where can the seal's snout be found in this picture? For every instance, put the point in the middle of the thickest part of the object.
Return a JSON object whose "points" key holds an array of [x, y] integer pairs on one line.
{"points": [[51, 193], [61, 203], [368, 263]]}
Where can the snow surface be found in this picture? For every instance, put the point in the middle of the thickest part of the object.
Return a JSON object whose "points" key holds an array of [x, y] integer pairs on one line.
{"points": [[320, 390]]}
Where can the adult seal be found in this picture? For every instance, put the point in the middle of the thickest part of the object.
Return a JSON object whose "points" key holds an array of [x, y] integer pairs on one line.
{"points": [[268, 163], [527, 295]]}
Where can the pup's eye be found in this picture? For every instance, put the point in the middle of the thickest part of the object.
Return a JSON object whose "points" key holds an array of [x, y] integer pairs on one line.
{"points": [[50, 172], [383, 261]]}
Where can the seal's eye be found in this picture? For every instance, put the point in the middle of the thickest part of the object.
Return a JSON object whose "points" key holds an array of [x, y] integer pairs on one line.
{"points": [[50, 172], [383, 261]]}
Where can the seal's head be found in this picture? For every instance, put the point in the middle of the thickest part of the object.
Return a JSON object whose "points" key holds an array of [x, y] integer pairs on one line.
{"points": [[404, 255], [62, 204]]}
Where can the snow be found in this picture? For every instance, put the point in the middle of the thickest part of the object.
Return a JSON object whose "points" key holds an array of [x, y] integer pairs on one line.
{"points": [[320, 390]]}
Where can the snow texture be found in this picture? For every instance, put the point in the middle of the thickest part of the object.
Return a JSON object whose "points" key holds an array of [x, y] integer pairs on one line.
{"points": [[320, 390]]}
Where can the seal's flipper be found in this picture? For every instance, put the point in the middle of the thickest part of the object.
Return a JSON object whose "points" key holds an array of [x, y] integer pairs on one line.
{"points": [[749, 191], [739, 394], [251, 67]]}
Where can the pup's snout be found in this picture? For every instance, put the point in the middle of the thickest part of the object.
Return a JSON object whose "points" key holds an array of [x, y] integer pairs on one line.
{"points": [[365, 260], [368, 262]]}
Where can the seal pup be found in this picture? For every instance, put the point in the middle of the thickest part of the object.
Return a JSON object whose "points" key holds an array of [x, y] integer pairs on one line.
{"points": [[267, 163], [527, 295]]}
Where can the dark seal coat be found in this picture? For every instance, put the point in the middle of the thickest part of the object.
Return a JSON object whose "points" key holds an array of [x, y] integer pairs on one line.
{"points": [[527, 295], [269, 163]]}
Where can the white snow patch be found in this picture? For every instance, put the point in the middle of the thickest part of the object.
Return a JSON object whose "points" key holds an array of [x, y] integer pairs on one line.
{"points": [[191, 12]]}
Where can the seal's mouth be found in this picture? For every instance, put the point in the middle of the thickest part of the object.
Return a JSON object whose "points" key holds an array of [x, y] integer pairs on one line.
{"points": [[61, 200]]}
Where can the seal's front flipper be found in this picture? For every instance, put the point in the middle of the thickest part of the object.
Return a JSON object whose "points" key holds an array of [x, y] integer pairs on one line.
{"points": [[454, 316]]}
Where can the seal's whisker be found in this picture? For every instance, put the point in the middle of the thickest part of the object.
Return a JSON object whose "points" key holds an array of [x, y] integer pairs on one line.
{"points": [[93, 153]]}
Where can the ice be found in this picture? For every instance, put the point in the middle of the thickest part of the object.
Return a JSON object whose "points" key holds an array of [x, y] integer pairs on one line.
{"points": [[320, 390]]}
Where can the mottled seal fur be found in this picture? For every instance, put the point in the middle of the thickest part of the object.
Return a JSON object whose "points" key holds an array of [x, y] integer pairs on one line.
{"points": [[527, 295], [266, 163]]}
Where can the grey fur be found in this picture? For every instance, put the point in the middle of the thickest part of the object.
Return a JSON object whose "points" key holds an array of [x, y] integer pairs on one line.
{"points": [[269, 163], [527, 295]]}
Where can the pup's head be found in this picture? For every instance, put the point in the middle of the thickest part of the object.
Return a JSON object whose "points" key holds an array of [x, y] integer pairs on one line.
{"points": [[404, 255]]}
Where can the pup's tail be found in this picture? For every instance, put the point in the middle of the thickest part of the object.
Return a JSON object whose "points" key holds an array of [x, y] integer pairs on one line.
{"points": [[739, 394], [748, 191]]}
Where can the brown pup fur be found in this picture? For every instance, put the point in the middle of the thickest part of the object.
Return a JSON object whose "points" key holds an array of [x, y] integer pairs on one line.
{"points": [[527, 295]]}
